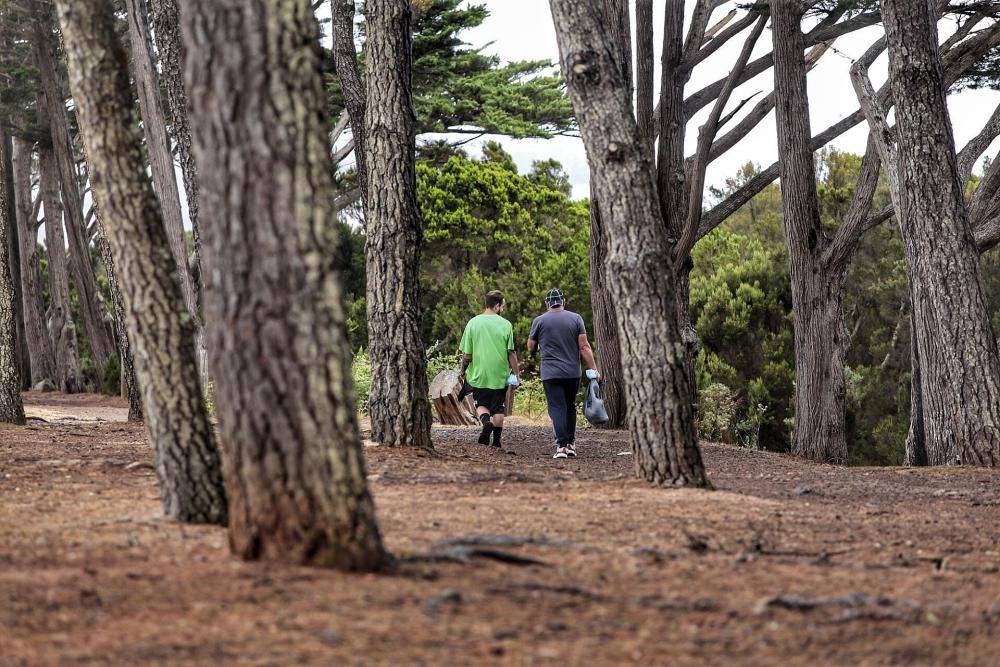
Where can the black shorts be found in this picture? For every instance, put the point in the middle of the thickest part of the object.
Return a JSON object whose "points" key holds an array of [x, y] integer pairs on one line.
{"points": [[493, 400]]}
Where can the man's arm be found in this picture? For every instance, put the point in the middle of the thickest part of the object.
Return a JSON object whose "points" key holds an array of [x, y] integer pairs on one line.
{"points": [[466, 360], [586, 353], [532, 346], [512, 359]]}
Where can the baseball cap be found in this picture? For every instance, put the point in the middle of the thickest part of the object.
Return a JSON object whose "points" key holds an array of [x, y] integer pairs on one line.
{"points": [[555, 297]]}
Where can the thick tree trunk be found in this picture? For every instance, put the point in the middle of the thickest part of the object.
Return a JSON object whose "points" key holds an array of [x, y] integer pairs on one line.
{"points": [[32, 291], [14, 260], [187, 458], [275, 311], [609, 356], [639, 264], [62, 330], [92, 307], [167, 27], [958, 360], [916, 446], [398, 404], [11, 407], [161, 159], [129, 382], [820, 335], [605, 321]]}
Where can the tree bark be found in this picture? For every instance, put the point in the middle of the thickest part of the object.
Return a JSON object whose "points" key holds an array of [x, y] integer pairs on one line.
{"points": [[605, 320], [345, 59], [91, 306], [958, 359], [274, 306], [166, 26], [639, 264], [14, 260], [11, 407], [398, 403], [817, 307], [161, 158], [126, 359], [187, 458], [62, 329], [32, 299]]}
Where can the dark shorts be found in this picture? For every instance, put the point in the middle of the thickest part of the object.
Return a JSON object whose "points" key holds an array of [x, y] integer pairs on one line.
{"points": [[492, 399]]}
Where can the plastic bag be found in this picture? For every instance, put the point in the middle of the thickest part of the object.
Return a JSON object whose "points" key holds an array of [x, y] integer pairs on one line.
{"points": [[593, 404]]}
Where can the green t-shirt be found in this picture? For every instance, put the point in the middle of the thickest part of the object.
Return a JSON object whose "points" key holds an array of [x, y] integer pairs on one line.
{"points": [[488, 338]]}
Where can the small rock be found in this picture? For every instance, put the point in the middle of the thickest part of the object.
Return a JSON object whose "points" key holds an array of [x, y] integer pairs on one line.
{"points": [[497, 650], [45, 386], [329, 637], [500, 635], [803, 490], [130, 540], [555, 627]]}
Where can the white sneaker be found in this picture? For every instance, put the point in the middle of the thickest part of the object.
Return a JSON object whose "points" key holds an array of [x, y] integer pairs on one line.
{"points": [[561, 453], [571, 449]]}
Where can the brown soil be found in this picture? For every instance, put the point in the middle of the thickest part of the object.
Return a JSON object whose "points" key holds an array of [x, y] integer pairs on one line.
{"points": [[788, 563]]}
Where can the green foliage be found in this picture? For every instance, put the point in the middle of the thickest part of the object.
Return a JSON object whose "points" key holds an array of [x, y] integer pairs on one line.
{"points": [[361, 371], [111, 376], [458, 87], [740, 306], [716, 409], [488, 227]]}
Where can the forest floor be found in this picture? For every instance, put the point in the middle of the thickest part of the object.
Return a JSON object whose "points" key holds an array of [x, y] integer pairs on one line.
{"points": [[787, 563]]}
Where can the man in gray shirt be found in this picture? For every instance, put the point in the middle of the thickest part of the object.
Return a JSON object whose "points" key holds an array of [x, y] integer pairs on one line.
{"points": [[561, 336]]}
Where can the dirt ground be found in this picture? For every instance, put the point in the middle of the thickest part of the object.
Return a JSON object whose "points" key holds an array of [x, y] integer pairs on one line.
{"points": [[570, 562]]}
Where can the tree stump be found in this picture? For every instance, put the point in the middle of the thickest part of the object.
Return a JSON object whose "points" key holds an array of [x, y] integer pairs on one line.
{"points": [[451, 411]]}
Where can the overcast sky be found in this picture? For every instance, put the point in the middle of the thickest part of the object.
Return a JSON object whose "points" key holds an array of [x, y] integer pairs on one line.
{"points": [[522, 30]]}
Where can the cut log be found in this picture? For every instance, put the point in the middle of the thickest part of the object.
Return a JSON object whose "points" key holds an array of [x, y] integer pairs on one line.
{"points": [[444, 391]]}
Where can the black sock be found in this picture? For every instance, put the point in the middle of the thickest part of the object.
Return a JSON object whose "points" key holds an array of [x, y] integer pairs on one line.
{"points": [[484, 437], [497, 432]]}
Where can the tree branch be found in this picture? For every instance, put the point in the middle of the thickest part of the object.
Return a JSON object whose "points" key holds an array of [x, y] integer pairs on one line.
{"points": [[967, 156], [852, 227], [345, 59], [821, 33], [706, 135], [341, 153], [338, 129], [715, 43], [696, 31]]}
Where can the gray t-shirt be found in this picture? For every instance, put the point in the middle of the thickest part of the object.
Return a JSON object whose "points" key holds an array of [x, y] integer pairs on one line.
{"points": [[557, 333]]}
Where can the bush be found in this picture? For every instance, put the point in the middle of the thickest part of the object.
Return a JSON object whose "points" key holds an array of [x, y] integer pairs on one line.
{"points": [[716, 409], [361, 371], [111, 383]]}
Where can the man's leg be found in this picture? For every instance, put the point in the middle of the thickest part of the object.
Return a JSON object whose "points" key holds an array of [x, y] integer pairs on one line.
{"points": [[571, 388], [481, 397], [497, 426], [555, 398]]}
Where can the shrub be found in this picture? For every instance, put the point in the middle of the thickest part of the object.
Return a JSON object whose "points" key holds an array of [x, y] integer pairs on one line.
{"points": [[716, 408]]}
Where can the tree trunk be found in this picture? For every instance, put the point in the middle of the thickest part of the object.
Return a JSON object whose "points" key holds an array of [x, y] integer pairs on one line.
{"points": [[400, 411], [126, 360], [639, 265], [605, 324], [11, 407], [187, 458], [161, 158], [62, 329], [958, 360], [91, 306], [14, 260], [820, 334], [609, 355], [166, 26], [273, 301], [32, 297], [916, 446]]}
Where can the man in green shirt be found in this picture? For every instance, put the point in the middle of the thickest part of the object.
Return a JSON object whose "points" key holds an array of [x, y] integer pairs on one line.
{"points": [[489, 364]]}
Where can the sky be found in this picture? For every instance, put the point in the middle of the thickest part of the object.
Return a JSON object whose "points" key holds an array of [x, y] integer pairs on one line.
{"points": [[523, 30]]}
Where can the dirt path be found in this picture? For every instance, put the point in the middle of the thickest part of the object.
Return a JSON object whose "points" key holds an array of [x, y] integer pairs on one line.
{"points": [[788, 563]]}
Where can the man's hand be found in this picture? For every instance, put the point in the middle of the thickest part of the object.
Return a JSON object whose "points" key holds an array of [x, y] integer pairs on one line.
{"points": [[593, 374]]}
